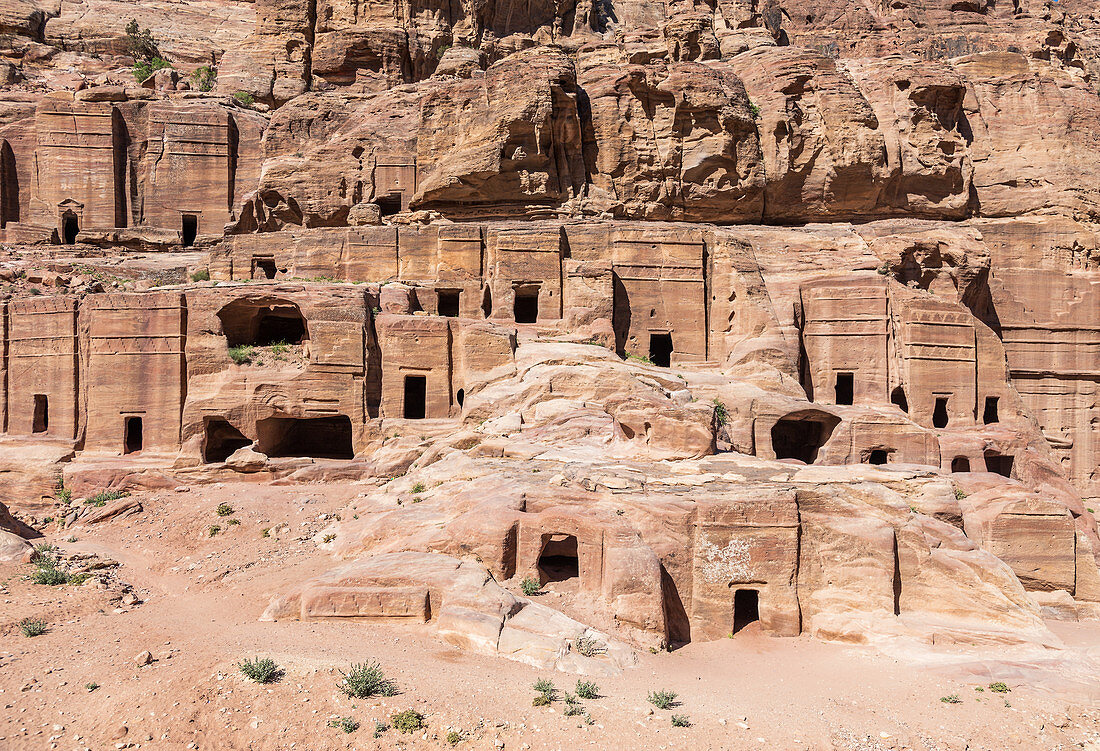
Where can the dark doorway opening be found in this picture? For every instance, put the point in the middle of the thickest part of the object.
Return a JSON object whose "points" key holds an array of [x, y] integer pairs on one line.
{"points": [[389, 205], [310, 437], [679, 625], [448, 302], [660, 350], [939, 414], [41, 420], [70, 228], [132, 435], [746, 608], [222, 439], [262, 323], [558, 561], [990, 415], [460, 396], [526, 307], [9, 186], [263, 268], [960, 464], [277, 327], [190, 229], [800, 435], [845, 388], [878, 456], [897, 397], [998, 463], [487, 302], [416, 396]]}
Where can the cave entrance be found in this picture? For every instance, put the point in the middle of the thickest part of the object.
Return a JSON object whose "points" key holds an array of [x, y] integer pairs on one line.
{"points": [[261, 323], [389, 205], [845, 388], [41, 421], [448, 304], [660, 350], [990, 416], [897, 398], [939, 413], [558, 561], [416, 397], [960, 464], [263, 268], [132, 435], [221, 440], [800, 435], [190, 229], [746, 608], [998, 463], [878, 456], [526, 306], [306, 437], [70, 228]]}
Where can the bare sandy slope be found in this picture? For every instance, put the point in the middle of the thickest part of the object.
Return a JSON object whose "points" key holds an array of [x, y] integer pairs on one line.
{"points": [[201, 597]]}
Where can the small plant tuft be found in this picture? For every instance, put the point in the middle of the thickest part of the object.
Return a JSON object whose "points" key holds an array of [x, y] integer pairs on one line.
{"points": [[951, 699], [202, 275], [680, 721], [224, 509], [663, 699], [454, 737], [755, 110], [245, 98], [365, 680], [204, 77], [91, 686], [408, 721], [959, 494], [721, 414], [589, 647], [999, 688], [32, 627], [260, 670], [419, 488], [530, 587], [213, 530], [100, 499], [588, 690], [242, 354], [347, 724], [379, 728]]}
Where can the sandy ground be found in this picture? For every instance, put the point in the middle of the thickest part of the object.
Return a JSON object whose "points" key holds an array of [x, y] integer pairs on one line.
{"points": [[200, 598]]}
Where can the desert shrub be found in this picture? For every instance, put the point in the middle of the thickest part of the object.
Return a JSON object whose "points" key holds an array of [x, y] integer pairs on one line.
{"points": [[999, 688], [242, 353], [224, 509], [347, 724], [588, 690], [265, 532], [419, 488], [721, 414], [544, 686], [640, 358], [365, 680], [143, 69], [951, 699], [379, 728], [959, 494], [46, 572], [572, 710], [140, 43], [32, 627], [77, 579], [91, 686], [755, 110], [680, 721], [245, 98], [530, 587], [64, 495], [213, 530], [44, 552], [408, 721], [588, 646], [454, 737], [663, 699], [204, 77], [541, 700], [260, 670], [328, 538], [100, 499], [233, 522], [202, 275], [588, 719]]}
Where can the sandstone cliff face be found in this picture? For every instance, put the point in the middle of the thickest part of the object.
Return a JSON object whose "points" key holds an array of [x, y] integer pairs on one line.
{"points": [[670, 307]]}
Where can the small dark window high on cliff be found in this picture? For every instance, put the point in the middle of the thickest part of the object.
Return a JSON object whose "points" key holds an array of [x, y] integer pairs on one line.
{"points": [[939, 414], [132, 435], [998, 463], [41, 414], [416, 395], [746, 608], [526, 308], [70, 228], [845, 388], [990, 415], [660, 350], [448, 302], [897, 397], [558, 561], [190, 229]]}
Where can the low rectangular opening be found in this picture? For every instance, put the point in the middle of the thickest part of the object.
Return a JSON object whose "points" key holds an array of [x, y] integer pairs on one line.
{"points": [[960, 464], [389, 205], [190, 229], [746, 608], [845, 388], [132, 435], [998, 464], [306, 437], [878, 456], [416, 395], [263, 268], [990, 415], [526, 307], [448, 302], [660, 350], [41, 420]]}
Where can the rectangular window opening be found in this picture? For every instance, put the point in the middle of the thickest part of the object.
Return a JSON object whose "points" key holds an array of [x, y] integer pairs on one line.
{"points": [[448, 302], [263, 268], [990, 415], [845, 388]]}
